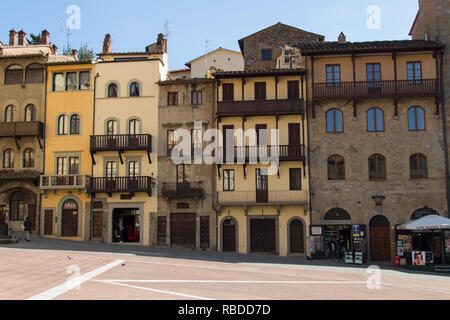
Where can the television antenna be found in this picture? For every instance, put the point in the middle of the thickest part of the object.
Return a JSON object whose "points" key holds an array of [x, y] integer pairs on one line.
{"points": [[167, 29]]}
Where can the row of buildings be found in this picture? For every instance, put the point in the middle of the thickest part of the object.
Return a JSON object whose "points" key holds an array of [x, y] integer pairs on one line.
{"points": [[362, 144]]}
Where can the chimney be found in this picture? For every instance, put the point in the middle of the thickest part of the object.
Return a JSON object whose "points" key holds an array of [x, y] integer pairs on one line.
{"points": [[342, 38], [55, 49], [13, 38], [45, 37], [107, 44], [161, 42], [22, 38]]}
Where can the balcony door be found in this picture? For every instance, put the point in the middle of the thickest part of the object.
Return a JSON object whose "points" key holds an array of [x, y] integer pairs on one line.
{"points": [[111, 175], [262, 187], [228, 145], [294, 141], [373, 71], [183, 178], [133, 173], [261, 141], [293, 90]]}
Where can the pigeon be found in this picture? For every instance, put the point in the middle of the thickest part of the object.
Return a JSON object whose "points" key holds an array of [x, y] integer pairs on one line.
{"points": [[69, 257], [123, 264]]}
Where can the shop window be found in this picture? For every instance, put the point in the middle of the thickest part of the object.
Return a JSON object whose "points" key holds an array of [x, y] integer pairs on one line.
{"points": [[337, 214]]}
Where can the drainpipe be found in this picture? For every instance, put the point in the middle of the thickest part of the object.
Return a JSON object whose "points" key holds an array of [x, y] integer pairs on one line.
{"points": [[44, 147], [92, 167], [309, 145]]}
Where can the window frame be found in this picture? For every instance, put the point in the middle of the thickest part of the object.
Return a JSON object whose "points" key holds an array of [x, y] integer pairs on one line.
{"points": [[229, 97], [28, 159], [416, 122], [31, 107], [377, 157], [333, 82], [174, 101], [7, 69], [11, 111], [228, 178], [259, 85], [108, 93], [375, 120], [418, 156], [77, 124], [61, 131], [266, 54], [11, 158], [335, 158], [139, 87], [291, 186], [334, 110], [414, 80], [196, 97]]}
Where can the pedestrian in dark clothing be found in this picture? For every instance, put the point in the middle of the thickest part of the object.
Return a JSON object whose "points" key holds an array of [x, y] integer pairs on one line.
{"points": [[333, 249], [27, 226]]}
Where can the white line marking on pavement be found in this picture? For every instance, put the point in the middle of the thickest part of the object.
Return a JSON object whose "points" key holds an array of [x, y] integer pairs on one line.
{"points": [[232, 281], [73, 283], [154, 290]]}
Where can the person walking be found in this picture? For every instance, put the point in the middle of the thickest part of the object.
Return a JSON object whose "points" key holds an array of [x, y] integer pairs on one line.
{"points": [[27, 226], [333, 249], [342, 246]]}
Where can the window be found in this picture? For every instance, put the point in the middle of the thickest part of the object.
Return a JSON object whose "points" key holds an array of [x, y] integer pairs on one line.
{"points": [[74, 165], [71, 81], [30, 113], [336, 168], [260, 91], [85, 80], [228, 180], [113, 91], [75, 123], [375, 120], [228, 92], [335, 121], [28, 158], [196, 98], [373, 73], [58, 82], [34, 73], [266, 54], [377, 167], [171, 142], [133, 169], [196, 141], [295, 179], [111, 169], [112, 128], [8, 159], [418, 166], [9, 113], [134, 127], [183, 173], [293, 90], [62, 128], [17, 207], [61, 166], [414, 70], [333, 75], [172, 99], [14, 74], [135, 89], [416, 119]]}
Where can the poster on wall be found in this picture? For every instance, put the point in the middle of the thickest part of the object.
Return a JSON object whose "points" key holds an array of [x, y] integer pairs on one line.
{"points": [[419, 258]]}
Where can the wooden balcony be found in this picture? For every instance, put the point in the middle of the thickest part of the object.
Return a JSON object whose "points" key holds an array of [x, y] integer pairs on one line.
{"points": [[252, 153], [376, 89], [67, 182], [182, 190], [260, 108], [284, 197], [129, 185], [121, 142], [22, 129]]}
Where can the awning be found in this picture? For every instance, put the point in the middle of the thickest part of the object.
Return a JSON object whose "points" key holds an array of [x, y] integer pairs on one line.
{"points": [[432, 222]]}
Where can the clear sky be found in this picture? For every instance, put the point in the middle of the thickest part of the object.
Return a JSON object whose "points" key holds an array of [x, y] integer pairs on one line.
{"points": [[134, 24]]}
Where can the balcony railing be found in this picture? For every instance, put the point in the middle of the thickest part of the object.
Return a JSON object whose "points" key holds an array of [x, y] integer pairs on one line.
{"points": [[377, 89], [252, 153], [121, 185], [121, 142], [260, 107], [79, 181], [22, 129], [274, 197], [182, 190]]}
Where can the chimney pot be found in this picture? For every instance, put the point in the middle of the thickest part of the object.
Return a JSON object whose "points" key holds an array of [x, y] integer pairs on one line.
{"points": [[107, 44], [22, 38], [13, 38], [342, 38], [45, 37]]}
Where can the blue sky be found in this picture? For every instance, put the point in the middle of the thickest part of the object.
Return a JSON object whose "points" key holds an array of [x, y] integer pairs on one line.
{"points": [[134, 24]]}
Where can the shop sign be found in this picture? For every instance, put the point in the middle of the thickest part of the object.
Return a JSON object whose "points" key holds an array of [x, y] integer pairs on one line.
{"points": [[356, 231], [316, 231]]}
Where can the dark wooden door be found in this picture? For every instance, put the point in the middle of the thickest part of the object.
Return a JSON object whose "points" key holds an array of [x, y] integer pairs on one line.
{"points": [[32, 216], [48, 223], [229, 236], [263, 236], [293, 90], [204, 232], [380, 243], [262, 187], [183, 230], [162, 231], [2, 219], [98, 224], [260, 91], [227, 143], [297, 242], [294, 140], [69, 223], [228, 92]]}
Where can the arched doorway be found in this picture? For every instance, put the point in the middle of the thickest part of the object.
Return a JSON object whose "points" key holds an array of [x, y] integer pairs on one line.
{"points": [[380, 239], [69, 219], [296, 237], [229, 235]]}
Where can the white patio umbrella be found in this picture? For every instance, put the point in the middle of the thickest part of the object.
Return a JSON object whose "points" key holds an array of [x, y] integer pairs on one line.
{"points": [[432, 222]]}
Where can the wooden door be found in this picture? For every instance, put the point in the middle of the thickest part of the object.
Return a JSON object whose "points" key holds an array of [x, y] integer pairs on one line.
{"points": [[204, 232], [297, 242], [48, 223], [293, 90], [98, 224], [229, 236], [32, 216], [69, 223], [260, 91], [228, 144], [262, 187], [263, 236], [162, 231], [183, 230], [380, 243], [294, 140]]}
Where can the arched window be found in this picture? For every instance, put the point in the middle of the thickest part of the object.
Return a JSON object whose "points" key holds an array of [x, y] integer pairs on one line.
{"points": [[34, 73], [416, 119], [418, 166], [112, 128], [377, 167], [423, 212], [335, 121], [30, 113], [75, 124], [337, 214], [375, 120], [14, 74], [8, 159], [135, 89], [17, 206], [28, 158], [113, 91], [62, 126], [9, 113], [336, 168], [134, 126]]}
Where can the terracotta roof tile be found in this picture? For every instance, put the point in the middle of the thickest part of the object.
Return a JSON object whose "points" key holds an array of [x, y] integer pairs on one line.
{"points": [[14, 174]]}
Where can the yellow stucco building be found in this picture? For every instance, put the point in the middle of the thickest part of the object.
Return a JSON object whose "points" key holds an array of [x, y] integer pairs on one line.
{"points": [[259, 211], [66, 205]]}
